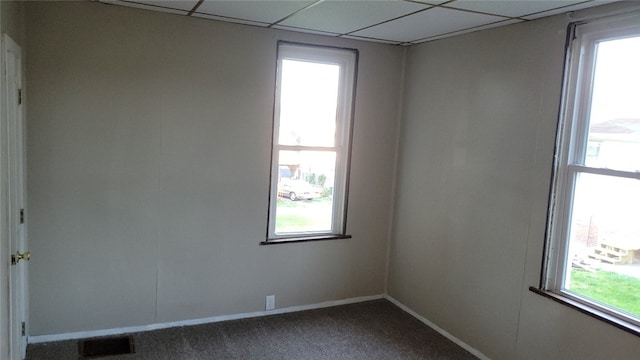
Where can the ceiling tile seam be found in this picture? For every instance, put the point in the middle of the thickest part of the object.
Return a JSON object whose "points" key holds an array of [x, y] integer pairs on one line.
{"points": [[432, 6], [150, 6], [250, 22], [453, 33], [386, 41], [368, 26], [521, 17], [195, 7], [295, 13], [285, 27], [420, 2], [555, 8], [258, 24], [393, 42], [390, 20], [443, 5], [507, 17]]}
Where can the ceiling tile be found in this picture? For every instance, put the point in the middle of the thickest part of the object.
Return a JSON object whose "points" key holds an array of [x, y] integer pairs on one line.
{"points": [[268, 11], [579, 6], [514, 8], [139, 5], [186, 5], [432, 22], [483, 27], [370, 39], [230, 20], [309, 31], [346, 16]]}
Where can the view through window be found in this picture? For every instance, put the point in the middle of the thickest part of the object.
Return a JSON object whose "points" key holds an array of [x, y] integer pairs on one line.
{"points": [[596, 217], [311, 141]]}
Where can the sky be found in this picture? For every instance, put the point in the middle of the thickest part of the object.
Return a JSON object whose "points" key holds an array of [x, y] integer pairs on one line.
{"points": [[617, 80], [309, 96]]}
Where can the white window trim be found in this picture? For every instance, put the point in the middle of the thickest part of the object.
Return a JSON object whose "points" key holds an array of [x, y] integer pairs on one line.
{"points": [[568, 163], [347, 59]]}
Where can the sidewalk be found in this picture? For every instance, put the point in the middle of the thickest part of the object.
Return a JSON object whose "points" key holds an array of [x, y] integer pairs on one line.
{"points": [[626, 269]]}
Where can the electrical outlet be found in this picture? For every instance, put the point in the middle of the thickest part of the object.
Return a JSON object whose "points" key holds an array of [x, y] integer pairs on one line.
{"points": [[271, 302]]}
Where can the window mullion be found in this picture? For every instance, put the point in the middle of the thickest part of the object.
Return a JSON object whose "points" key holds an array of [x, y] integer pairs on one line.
{"points": [[307, 148], [604, 171]]}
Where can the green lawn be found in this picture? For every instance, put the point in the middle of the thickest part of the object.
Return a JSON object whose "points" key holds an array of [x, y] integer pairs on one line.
{"points": [[288, 223], [304, 215], [617, 290]]}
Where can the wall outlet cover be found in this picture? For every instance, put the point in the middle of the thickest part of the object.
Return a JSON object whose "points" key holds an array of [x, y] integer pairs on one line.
{"points": [[271, 302]]}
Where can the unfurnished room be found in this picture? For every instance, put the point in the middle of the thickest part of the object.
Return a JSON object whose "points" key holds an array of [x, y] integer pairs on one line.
{"points": [[320, 179]]}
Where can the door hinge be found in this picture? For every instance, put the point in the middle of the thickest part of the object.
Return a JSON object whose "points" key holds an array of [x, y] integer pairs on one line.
{"points": [[24, 329], [21, 216], [19, 96]]}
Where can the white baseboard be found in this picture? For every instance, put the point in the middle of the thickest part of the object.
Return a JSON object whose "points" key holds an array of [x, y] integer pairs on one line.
{"points": [[132, 329], [435, 327]]}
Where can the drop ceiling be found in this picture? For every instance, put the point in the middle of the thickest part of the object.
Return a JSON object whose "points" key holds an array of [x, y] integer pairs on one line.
{"points": [[401, 22]]}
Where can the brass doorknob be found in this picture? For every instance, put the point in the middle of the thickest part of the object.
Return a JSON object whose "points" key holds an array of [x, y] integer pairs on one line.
{"points": [[15, 258]]}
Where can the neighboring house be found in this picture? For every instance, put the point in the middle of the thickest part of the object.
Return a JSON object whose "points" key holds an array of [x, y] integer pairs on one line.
{"points": [[615, 144]]}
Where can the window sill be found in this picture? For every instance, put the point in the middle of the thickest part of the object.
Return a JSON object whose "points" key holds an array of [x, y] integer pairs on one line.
{"points": [[588, 310], [304, 239]]}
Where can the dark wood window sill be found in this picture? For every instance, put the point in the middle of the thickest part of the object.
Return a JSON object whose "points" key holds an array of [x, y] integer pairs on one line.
{"points": [[297, 239], [588, 310]]}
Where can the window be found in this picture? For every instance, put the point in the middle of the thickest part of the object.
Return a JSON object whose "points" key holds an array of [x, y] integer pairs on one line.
{"points": [[311, 142], [593, 245]]}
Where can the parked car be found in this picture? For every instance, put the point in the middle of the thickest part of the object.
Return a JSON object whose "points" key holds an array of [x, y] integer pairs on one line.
{"points": [[298, 190]]}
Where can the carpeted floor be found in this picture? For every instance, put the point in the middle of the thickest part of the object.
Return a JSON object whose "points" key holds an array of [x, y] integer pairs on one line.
{"points": [[370, 330]]}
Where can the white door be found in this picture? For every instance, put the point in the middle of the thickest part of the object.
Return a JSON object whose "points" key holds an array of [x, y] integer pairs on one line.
{"points": [[13, 144]]}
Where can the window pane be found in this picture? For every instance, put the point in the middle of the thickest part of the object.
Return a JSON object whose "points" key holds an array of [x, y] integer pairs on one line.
{"points": [[604, 248], [305, 191], [614, 131], [308, 103]]}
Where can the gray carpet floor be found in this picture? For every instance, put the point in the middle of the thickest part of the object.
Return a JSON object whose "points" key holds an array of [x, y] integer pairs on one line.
{"points": [[369, 330]]}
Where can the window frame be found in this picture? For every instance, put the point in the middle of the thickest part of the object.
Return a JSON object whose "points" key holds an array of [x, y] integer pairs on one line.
{"points": [[347, 59], [569, 161]]}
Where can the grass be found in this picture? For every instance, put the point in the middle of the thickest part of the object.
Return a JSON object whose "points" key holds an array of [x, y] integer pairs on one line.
{"points": [[285, 203], [303, 215], [620, 291], [293, 222]]}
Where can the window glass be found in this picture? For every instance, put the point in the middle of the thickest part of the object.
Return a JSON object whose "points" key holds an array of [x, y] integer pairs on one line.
{"points": [[305, 192], [614, 121], [308, 102], [604, 247]]}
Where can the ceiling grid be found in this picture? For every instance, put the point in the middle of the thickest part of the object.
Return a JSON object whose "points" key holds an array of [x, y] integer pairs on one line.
{"points": [[400, 22]]}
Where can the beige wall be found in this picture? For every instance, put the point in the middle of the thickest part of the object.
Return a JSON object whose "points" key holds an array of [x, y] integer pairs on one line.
{"points": [[480, 114], [149, 139], [13, 20]]}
